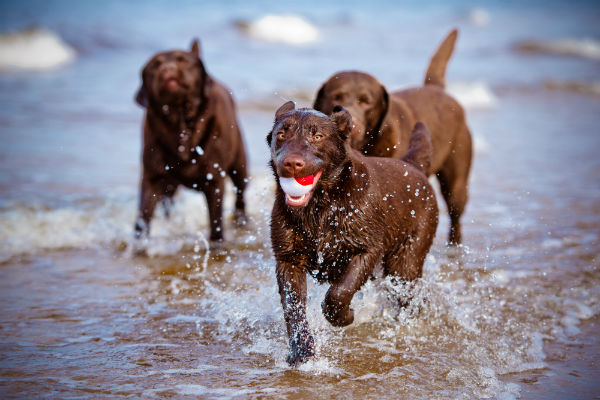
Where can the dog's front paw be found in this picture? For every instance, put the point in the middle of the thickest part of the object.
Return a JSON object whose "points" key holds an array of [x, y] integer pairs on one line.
{"points": [[302, 349], [240, 219], [216, 237], [336, 313], [141, 229]]}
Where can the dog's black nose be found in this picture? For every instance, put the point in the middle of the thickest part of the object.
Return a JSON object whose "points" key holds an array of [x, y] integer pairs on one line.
{"points": [[337, 109], [293, 164]]}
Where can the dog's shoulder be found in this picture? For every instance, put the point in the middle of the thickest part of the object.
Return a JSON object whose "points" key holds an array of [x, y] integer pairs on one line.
{"points": [[219, 93]]}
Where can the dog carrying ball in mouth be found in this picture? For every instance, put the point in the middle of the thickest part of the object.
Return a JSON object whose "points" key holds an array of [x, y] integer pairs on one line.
{"points": [[298, 189], [338, 214]]}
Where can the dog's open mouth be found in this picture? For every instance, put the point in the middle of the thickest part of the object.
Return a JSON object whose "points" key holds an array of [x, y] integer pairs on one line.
{"points": [[299, 189], [172, 84]]}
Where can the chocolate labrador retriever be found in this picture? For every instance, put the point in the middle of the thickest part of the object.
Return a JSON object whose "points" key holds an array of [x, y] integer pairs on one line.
{"points": [[382, 124], [338, 214], [191, 138]]}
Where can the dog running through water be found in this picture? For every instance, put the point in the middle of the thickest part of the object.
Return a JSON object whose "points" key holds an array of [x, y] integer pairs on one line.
{"points": [[338, 214]]}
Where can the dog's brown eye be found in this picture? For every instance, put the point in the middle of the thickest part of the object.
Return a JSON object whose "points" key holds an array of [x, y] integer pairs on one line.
{"points": [[280, 135], [317, 137], [180, 58], [363, 99]]}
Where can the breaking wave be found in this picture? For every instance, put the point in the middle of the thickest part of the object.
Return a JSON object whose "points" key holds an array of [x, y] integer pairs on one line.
{"points": [[34, 49], [288, 29], [94, 223], [472, 95], [589, 88], [585, 48]]}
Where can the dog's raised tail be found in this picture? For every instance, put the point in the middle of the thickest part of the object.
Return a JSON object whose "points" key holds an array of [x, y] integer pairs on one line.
{"points": [[420, 149], [436, 73]]}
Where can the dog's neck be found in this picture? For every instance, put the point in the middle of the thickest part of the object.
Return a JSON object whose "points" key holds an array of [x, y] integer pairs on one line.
{"points": [[180, 114], [187, 122]]}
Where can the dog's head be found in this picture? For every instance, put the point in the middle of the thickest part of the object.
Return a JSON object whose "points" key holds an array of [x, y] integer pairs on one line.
{"points": [[172, 78], [307, 150], [362, 95]]}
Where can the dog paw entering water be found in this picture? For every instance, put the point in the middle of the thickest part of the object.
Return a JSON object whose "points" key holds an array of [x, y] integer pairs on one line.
{"points": [[338, 214]]}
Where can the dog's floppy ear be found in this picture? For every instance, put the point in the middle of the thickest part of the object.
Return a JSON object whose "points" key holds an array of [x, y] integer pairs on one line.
{"points": [[318, 104], [343, 120], [195, 50], [287, 107], [386, 99], [205, 81], [142, 97], [385, 110]]}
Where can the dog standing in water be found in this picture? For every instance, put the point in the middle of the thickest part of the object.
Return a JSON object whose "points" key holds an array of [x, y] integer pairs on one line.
{"points": [[382, 124], [338, 214], [191, 138]]}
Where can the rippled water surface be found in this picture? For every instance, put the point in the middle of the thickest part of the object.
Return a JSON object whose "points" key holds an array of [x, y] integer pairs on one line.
{"points": [[511, 314]]}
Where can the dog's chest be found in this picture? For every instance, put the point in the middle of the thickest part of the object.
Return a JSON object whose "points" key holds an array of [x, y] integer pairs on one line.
{"points": [[334, 239]]}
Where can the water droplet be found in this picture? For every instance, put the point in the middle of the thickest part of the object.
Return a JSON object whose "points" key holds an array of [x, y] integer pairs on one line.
{"points": [[181, 149], [223, 174], [199, 151], [209, 176]]}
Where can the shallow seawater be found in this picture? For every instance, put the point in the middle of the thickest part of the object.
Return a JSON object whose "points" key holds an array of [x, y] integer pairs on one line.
{"points": [[86, 312]]}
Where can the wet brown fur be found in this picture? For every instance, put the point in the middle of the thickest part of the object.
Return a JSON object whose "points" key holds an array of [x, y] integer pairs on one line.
{"points": [[363, 211], [191, 138], [383, 122]]}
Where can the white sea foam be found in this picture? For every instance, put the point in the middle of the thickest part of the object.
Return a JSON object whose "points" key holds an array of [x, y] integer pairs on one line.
{"points": [[572, 47], [472, 95], [479, 17], [465, 314], [96, 223], [289, 29], [26, 229], [34, 49], [481, 145]]}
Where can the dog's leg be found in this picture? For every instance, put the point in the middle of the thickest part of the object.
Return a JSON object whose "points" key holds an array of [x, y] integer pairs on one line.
{"points": [[167, 200], [454, 178], [292, 289], [150, 194], [405, 264], [336, 305], [239, 177], [454, 190], [214, 198]]}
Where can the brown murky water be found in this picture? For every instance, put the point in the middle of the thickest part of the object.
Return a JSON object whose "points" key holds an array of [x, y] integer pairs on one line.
{"points": [[512, 314]]}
